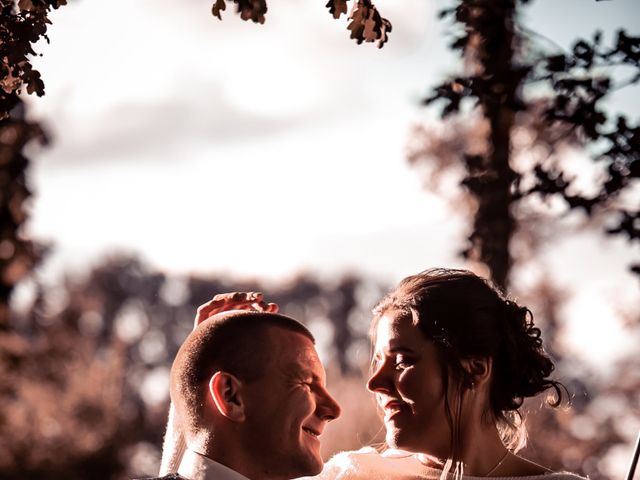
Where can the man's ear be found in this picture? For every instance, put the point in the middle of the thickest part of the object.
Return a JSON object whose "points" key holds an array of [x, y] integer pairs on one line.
{"points": [[225, 390], [479, 370]]}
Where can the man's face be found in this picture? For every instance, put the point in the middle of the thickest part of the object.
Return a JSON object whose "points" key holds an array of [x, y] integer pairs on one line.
{"points": [[287, 409]]}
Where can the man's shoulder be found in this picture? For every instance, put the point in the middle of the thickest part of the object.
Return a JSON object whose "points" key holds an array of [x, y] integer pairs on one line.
{"points": [[171, 476]]}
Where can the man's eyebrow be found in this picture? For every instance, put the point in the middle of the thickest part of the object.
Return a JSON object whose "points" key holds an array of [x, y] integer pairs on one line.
{"points": [[302, 372], [315, 378]]}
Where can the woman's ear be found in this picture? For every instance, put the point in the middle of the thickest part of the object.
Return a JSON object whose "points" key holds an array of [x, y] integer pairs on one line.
{"points": [[226, 391], [479, 370]]}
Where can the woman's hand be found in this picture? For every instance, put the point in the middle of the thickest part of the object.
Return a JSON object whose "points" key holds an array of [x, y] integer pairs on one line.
{"points": [[225, 302]]}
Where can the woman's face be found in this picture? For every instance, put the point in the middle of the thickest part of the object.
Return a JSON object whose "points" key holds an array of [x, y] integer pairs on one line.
{"points": [[407, 383]]}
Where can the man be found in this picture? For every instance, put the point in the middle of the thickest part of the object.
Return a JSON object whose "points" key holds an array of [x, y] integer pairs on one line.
{"points": [[249, 395]]}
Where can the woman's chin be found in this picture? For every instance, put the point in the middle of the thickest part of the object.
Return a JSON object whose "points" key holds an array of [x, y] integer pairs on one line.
{"points": [[395, 438], [402, 439]]}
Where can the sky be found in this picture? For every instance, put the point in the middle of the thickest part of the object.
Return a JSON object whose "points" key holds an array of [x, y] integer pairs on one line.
{"points": [[210, 146]]}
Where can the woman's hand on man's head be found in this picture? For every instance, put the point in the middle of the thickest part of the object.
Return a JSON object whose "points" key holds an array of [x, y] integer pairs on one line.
{"points": [[225, 302]]}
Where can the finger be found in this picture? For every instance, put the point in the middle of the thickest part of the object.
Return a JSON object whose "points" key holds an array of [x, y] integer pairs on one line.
{"points": [[230, 296], [272, 308], [259, 306], [219, 301], [224, 302], [238, 296], [230, 301], [204, 310], [256, 296], [255, 306]]}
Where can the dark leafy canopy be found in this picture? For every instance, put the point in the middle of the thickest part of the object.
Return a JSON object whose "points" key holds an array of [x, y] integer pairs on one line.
{"points": [[366, 23], [492, 41], [24, 22]]}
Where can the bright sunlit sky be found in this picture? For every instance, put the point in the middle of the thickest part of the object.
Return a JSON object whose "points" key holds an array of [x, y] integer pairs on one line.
{"points": [[263, 150]]}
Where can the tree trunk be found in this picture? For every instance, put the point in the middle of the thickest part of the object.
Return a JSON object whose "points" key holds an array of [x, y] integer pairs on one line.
{"points": [[499, 83]]}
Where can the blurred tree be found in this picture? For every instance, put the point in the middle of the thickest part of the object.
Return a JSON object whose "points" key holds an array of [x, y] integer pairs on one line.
{"points": [[85, 373], [503, 63], [18, 254], [509, 122], [24, 22]]}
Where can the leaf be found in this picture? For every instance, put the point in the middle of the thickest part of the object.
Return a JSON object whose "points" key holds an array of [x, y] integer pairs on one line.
{"points": [[337, 7], [583, 51], [367, 24], [25, 5], [628, 224], [446, 12], [557, 63], [218, 7], [254, 10], [385, 31]]}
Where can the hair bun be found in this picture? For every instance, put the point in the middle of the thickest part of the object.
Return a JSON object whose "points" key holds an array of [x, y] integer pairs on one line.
{"points": [[526, 366]]}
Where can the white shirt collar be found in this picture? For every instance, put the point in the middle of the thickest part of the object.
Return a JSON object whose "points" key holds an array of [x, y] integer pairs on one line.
{"points": [[195, 466]]}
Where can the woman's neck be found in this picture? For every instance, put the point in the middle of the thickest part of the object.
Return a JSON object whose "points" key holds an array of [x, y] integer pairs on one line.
{"points": [[482, 449]]}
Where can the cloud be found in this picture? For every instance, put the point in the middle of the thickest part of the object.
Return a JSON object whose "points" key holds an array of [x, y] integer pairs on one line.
{"points": [[159, 130]]}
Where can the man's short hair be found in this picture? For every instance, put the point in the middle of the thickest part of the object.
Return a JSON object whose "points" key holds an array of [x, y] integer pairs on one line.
{"points": [[233, 342]]}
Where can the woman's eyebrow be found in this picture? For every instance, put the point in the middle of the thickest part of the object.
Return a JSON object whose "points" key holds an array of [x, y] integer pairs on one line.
{"points": [[400, 349]]}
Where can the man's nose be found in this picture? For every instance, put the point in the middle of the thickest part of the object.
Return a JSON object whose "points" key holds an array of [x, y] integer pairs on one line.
{"points": [[327, 408]]}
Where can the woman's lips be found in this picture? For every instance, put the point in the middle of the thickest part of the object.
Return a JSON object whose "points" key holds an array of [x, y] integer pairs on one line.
{"points": [[392, 408]]}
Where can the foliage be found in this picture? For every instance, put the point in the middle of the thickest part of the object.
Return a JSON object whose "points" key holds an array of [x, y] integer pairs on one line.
{"points": [[24, 22], [502, 59], [82, 366], [366, 23], [17, 253], [509, 120]]}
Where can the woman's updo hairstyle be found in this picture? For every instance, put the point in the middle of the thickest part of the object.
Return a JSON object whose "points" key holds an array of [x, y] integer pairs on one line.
{"points": [[467, 317]]}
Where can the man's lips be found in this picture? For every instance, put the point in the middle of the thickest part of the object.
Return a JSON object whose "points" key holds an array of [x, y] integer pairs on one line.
{"points": [[312, 431]]}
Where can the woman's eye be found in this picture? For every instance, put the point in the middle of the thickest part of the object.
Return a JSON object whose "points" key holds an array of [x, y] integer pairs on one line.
{"points": [[401, 362]]}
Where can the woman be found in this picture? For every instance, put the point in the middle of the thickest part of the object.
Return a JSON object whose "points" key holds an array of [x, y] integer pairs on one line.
{"points": [[453, 360]]}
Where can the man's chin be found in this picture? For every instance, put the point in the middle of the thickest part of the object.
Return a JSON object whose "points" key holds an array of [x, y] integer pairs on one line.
{"points": [[298, 467], [313, 465]]}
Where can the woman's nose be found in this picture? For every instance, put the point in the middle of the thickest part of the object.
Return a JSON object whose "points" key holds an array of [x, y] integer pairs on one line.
{"points": [[378, 382]]}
